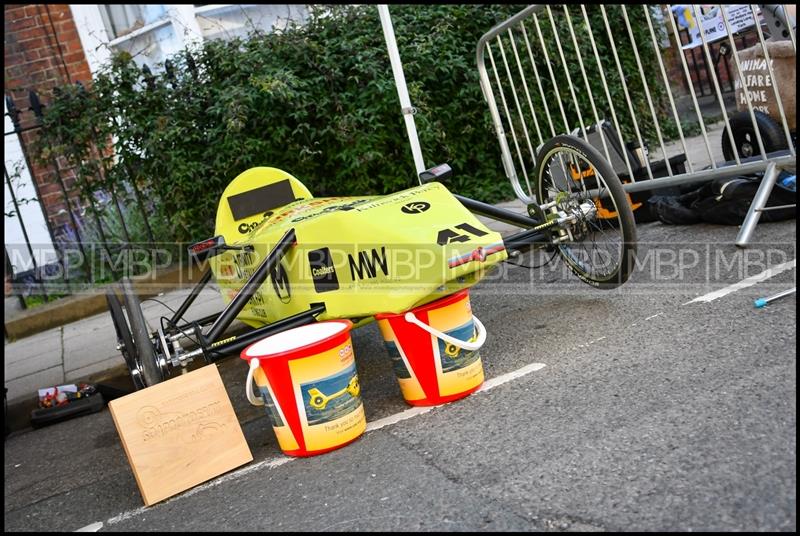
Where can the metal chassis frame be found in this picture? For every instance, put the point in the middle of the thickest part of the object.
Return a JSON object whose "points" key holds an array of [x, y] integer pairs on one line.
{"points": [[214, 350]]}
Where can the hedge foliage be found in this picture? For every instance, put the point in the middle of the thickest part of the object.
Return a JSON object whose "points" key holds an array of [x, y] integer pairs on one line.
{"points": [[317, 100]]}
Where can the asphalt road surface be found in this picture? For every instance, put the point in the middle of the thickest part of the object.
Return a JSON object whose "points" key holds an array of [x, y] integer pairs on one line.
{"points": [[651, 412]]}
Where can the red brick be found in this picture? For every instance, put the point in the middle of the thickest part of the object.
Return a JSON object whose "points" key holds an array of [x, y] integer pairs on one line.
{"points": [[14, 11], [85, 77], [13, 83], [20, 24], [43, 178], [74, 57], [28, 33], [31, 11], [64, 25], [47, 189], [69, 28], [33, 44], [73, 45], [32, 55], [40, 78], [14, 59], [15, 71], [53, 203], [46, 51], [41, 64]]}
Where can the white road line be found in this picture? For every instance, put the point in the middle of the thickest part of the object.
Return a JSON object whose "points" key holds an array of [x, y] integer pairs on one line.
{"points": [[94, 527], [505, 378], [744, 283], [276, 462], [127, 515], [269, 464], [655, 315], [397, 417]]}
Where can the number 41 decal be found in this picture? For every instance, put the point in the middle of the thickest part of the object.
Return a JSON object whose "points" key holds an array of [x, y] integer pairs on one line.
{"points": [[447, 236]]}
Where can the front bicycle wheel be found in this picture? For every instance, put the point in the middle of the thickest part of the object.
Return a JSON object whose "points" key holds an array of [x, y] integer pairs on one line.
{"points": [[593, 227]]}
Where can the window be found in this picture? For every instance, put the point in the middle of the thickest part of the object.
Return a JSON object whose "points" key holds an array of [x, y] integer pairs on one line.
{"points": [[122, 19]]}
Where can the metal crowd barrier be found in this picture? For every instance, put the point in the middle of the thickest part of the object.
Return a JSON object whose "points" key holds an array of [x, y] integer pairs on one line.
{"points": [[560, 93]]}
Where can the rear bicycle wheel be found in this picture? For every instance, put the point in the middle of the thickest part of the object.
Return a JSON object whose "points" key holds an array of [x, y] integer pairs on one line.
{"points": [[596, 234], [153, 365], [124, 339]]}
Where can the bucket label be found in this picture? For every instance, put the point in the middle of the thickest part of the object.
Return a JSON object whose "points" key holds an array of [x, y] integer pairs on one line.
{"points": [[399, 366], [270, 406], [283, 433], [424, 362], [328, 396], [453, 357], [331, 398], [458, 370], [409, 384]]}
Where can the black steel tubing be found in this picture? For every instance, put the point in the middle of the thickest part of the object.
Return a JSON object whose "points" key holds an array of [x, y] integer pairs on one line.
{"points": [[525, 239], [242, 342], [191, 297], [249, 289], [499, 214], [200, 321]]}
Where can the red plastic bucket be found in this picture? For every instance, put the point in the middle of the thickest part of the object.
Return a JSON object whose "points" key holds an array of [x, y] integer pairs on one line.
{"points": [[308, 383], [434, 350]]}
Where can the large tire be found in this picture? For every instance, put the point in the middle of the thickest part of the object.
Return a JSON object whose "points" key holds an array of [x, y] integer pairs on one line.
{"points": [[559, 159], [151, 366], [124, 339], [744, 135]]}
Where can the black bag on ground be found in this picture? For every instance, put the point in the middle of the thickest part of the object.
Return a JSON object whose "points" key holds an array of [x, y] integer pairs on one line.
{"points": [[725, 202]]}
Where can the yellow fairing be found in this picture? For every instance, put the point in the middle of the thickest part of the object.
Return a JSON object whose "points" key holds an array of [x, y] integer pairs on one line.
{"points": [[358, 255], [235, 230]]}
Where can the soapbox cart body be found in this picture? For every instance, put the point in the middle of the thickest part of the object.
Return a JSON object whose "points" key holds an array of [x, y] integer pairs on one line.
{"points": [[356, 257]]}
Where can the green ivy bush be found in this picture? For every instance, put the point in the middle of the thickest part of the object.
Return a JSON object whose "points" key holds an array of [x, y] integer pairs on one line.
{"points": [[317, 100]]}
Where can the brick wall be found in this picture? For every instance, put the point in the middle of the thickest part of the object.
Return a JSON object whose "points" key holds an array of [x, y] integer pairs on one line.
{"points": [[43, 51]]}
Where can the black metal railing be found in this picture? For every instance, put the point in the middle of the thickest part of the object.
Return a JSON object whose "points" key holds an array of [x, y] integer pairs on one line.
{"points": [[77, 254]]}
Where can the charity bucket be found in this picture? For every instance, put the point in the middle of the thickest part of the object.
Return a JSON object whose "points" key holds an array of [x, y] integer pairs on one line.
{"points": [[434, 350], [308, 382]]}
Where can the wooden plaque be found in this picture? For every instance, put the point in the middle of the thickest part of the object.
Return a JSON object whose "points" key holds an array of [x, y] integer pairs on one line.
{"points": [[179, 433]]}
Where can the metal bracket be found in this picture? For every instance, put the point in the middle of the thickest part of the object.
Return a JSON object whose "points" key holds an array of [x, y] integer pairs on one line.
{"points": [[409, 110]]}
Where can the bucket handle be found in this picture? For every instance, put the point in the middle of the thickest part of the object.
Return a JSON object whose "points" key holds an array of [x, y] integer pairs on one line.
{"points": [[248, 386], [464, 345]]}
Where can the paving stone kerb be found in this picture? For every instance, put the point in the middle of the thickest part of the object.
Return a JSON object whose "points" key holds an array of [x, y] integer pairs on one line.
{"points": [[85, 350], [93, 301]]}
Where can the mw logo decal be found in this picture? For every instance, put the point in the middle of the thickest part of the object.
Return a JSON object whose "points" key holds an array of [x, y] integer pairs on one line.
{"points": [[368, 264]]}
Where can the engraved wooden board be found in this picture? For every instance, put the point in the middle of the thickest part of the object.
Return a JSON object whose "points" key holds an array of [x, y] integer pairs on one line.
{"points": [[179, 433]]}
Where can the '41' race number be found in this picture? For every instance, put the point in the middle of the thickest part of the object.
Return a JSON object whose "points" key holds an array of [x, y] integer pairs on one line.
{"points": [[447, 236]]}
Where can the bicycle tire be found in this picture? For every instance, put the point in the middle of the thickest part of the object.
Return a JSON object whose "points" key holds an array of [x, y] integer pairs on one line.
{"points": [[125, 339], [547, 190], [151, 370]]}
